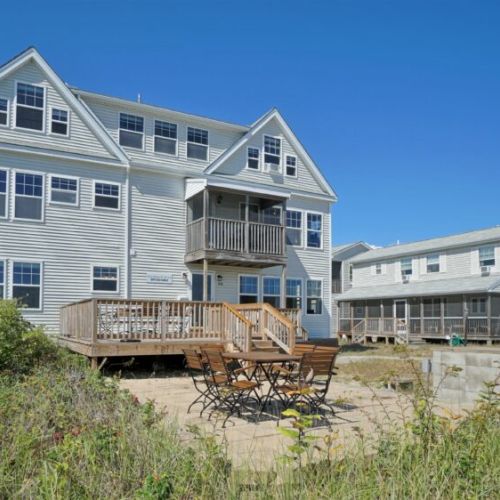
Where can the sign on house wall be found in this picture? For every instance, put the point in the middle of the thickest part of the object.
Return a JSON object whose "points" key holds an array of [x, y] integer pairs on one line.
{"points": [[160, 278]]}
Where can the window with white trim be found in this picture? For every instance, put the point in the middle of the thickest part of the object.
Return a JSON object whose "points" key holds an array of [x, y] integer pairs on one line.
{"points": [[104, 279], [30, 105], [253, 158], [165, 138], [406, 266], [271, 291], [26, 284], [4, 111], [2, 279], [291, 166], [28, 196], [197, 143], [314, 297], [294, 228], [294, 293], [487, 256], [3, 193], [272, 150], [433, 263], [131, 133], [59, 123], [249, 289], [107, 195], [64, 190], [378, 268], [314, 230]]}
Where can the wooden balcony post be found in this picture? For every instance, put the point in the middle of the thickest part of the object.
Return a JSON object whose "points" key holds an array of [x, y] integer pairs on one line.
{"points": [[95, 320], [488, 313], [283, 287], [206, 201], [246, 231], [465, 314], [205, 280]]}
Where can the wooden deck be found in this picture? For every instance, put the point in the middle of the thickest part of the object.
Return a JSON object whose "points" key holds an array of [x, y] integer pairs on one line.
{"points": [[114, 327]]}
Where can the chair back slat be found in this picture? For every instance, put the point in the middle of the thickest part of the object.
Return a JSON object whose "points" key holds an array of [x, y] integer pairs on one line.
{"points": [[212, 348], [193, 359], [319, 362], [215, 361], [300, 349]]}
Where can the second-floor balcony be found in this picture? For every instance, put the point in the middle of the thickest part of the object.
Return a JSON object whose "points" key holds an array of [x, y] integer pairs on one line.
{"points": [[228, 226]]}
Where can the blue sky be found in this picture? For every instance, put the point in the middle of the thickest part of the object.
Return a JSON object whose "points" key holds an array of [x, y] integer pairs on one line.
{"points": [[397, 101]]}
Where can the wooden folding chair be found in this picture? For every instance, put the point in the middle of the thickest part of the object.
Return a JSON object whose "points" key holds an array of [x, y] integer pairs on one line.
{"points": [[231, 393]]}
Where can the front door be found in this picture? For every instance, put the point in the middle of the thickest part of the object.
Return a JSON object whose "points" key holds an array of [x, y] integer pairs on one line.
{"points": [[197, 287], [400, 312]]}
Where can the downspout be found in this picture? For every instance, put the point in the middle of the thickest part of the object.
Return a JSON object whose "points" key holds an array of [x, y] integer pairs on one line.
{"points": [[127, 255]]}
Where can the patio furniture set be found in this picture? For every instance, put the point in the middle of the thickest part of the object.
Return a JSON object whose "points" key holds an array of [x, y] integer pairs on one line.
{"points": [[255, 383]]}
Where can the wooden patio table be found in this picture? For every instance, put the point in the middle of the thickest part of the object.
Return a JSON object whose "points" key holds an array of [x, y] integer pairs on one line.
{"points": [[264, 361]]}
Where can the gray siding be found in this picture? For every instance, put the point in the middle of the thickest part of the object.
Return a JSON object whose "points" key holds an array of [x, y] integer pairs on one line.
{"points": [[80, 141], [70, 239]]}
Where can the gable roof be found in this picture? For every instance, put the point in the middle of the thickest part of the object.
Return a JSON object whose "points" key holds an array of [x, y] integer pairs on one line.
{"points": [[338, 250], [31, 54], [254, 129], [477, 237]]}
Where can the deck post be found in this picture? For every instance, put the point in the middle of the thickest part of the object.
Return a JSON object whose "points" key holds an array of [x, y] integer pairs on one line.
{"points": [[93, 363], [206, 201], [283, 287], [465, 313], [205, 280], [95, 320], [246, 244], [488, 313]]}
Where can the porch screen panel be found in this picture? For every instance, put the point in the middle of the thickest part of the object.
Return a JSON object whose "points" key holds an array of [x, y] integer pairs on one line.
{"points": [[373, 309], [453, 307], [388, 306]]}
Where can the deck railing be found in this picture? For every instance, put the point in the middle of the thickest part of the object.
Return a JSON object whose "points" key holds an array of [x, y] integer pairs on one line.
{"points": [[269, 323], [235, 236], [95, 320]]}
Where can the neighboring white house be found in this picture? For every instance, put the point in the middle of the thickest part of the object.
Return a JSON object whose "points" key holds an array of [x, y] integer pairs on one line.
{"points": [[100, 196], [342, 274], [428, 289]]}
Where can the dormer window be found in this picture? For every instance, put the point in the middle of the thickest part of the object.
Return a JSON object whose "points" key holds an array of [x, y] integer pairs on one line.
{"points": [[59, 122], [30, 105], [291, 166], [197, 144], [4, 111], [272, 150], [253, 156], [165, 138], [131, 131]]}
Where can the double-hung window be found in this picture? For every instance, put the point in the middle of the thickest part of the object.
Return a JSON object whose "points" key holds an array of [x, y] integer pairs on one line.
{"points": [[64, 190], [487, 256], [4, 112], [294, 227], [253, 157], [165, 138], [272, 150], [378, 268], [478, 306], [291, 166], [2, 279], [294, 293], [271, 291], [59, 123], [131, 131], [3, 194], [433, 263], [314, 230], [314, 303], [30, 105], [249, 289], [29, 196], [406, 267], [26, 284], [197, 143], [107, 195], [104, 279]]}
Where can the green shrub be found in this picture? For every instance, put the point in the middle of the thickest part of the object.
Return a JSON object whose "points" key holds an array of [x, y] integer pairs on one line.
{"points": [[22, 346]]}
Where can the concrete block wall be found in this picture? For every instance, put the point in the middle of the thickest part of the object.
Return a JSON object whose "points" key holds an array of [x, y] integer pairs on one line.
{"points": [[476, 368]]}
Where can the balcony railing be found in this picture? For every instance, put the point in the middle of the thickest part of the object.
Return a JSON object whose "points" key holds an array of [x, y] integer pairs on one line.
{"points": [[228, 235]]}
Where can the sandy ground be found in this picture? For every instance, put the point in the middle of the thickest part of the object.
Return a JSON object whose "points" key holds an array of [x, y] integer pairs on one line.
{"points": [[359, 410]]}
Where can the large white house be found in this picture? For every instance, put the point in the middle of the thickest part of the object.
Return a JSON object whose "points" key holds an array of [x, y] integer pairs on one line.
{"points": [[105, 197], [428, 289]]}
